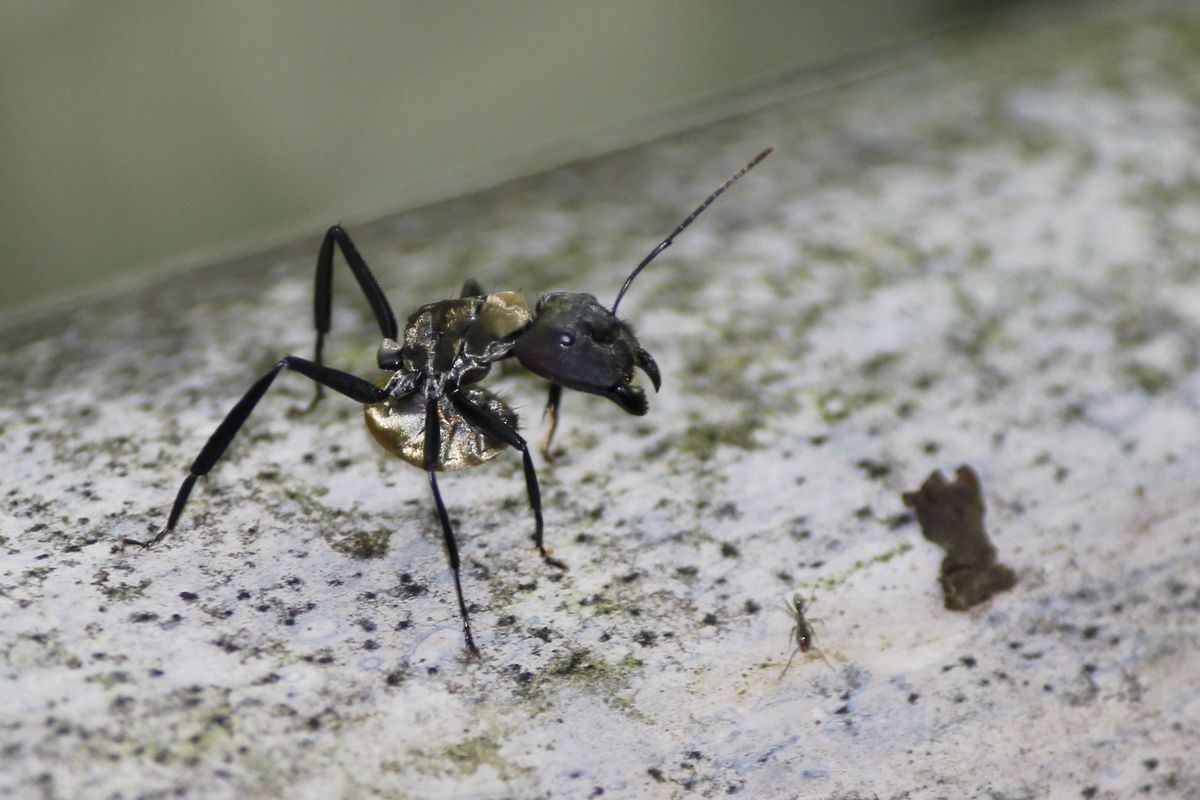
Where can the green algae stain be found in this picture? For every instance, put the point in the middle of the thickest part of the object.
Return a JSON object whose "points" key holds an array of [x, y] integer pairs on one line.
{"points": [[460, 759], [119, 592], [702, 439], [469, 755], [583, 670], [879, 363], [836, 405], [860, 565], [362, 544], [1149, 379]]}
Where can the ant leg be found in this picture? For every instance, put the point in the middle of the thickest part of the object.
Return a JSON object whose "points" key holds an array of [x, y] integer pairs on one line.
{"points": [[492, 425], [471, 288], [323, 293], [553, 401], [788, 665], [433, 449], [351, 386]]}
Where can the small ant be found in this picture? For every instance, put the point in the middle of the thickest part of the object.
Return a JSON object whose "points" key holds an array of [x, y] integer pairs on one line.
{"points": [[432, 412], [802, 632]]}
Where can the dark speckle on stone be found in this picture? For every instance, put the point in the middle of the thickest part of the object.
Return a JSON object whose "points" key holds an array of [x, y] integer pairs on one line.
{"points": [[645, 638], [875, 470]]}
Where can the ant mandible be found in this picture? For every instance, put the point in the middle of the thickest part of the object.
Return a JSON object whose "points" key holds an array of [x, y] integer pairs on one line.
{"points": [[431, 412]]}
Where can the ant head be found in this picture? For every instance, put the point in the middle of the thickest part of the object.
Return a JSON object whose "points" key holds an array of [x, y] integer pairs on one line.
{"points": [[578, 343], [794, 603]]}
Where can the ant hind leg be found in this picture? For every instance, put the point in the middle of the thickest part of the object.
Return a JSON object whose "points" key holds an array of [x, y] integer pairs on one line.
{"points": [[323, 293], [351, 386]]}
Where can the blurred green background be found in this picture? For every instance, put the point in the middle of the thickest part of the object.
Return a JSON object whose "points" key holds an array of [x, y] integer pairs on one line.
{"points": [[138, 136]]}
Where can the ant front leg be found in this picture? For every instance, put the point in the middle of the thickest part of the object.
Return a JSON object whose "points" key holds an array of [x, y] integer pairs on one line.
{"points": [[492, 425], [323, 292], [351, 386], [553, 401], [433, 450]]}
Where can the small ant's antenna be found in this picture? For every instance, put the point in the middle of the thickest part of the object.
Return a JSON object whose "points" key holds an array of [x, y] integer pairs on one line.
{"points": [[665, 243]]}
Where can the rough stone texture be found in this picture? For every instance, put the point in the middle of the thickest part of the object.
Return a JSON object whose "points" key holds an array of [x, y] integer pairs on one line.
{"points": [[984, 252]]}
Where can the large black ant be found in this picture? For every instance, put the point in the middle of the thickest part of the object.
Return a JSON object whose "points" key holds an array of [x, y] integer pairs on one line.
{"points": [[431, 412]]}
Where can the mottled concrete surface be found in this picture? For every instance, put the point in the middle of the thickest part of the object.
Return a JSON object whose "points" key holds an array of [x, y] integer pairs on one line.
{"points": [[985, 251]]}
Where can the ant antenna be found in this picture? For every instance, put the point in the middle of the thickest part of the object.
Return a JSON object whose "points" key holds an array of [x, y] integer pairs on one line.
{"points": [[665, 243]]}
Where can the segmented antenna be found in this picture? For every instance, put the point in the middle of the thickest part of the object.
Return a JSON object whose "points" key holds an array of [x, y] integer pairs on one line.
{"points": [[665, 243]]}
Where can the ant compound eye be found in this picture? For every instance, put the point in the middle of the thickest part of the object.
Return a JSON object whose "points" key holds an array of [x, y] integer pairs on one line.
{"points": [[565, 339]]}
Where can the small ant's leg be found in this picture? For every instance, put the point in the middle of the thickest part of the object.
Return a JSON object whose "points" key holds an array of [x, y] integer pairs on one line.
{"points": [[471, 288], [788, 665], [796, 651], [553, 401], [351, 386], [494, 426], [433, 448], [323, 293]]}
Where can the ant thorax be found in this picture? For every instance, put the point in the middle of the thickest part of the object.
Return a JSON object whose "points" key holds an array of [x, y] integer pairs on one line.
{"points": [[459, 339], [447, 344]]}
